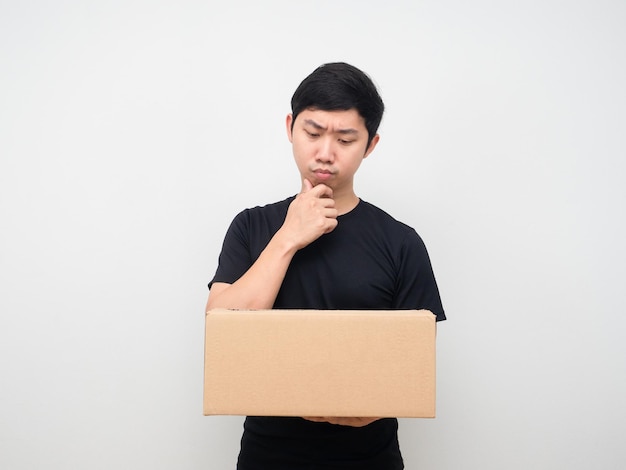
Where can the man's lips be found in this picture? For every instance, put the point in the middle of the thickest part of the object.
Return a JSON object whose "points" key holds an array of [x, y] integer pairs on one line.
{"points": [[323, 170], [322, 173]]}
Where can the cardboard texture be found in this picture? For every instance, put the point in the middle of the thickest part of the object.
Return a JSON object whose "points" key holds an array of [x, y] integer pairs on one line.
{"points": [[320, 363]]}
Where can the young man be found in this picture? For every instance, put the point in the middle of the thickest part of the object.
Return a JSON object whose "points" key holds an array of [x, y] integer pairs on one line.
{"points": [[325, 249]]}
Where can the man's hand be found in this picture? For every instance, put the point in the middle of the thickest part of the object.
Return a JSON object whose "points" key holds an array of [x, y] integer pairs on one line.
{"points": [[354, 422], [310, 215]]}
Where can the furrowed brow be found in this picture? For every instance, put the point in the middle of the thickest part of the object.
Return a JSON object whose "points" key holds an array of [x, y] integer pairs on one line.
{"points": [[348, 131], [314, 124], [318, 126]]}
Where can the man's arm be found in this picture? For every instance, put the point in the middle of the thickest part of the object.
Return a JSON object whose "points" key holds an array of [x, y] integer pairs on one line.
{"points": [[310, 215]]}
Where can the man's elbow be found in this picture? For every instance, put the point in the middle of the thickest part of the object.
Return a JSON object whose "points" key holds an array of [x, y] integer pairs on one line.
{"points": [[213, 301]]}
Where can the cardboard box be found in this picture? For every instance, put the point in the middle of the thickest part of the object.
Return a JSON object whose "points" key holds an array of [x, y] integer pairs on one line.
{"points": [[320, 363]]}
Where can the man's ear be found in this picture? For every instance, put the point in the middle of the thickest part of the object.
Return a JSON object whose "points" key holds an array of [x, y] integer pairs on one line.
{"points": [[372, 145], [289, 123]]}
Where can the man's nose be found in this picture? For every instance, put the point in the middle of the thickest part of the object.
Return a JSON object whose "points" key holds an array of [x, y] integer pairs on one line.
{"points": [[325, 151]]}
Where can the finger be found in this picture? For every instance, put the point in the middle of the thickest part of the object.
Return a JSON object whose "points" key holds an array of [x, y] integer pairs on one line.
{"points": [[326, 202], [321, 190], [329, 211], [331, 226], [306, 186]]}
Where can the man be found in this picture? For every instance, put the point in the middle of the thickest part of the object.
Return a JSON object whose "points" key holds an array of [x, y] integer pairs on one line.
{"points": [[325, 249]]}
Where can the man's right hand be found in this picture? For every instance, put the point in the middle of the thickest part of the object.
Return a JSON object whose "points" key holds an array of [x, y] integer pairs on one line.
{"points": [[310, 215]]}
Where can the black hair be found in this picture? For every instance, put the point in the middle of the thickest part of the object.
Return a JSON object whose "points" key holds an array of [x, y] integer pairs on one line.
{"points": [[340, 86]]}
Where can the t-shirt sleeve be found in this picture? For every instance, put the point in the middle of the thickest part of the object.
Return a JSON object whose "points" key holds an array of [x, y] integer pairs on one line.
{"points": [[417, 287], [235, 258]]}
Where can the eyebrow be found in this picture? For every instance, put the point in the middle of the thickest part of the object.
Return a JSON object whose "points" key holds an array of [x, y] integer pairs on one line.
{"points": [[316, 125]]}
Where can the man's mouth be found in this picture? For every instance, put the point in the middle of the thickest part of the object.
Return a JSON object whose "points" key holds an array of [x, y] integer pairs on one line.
{"points": [[322, 174]]}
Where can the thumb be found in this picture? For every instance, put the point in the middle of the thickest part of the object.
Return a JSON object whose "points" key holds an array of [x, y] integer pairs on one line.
{"points": [[306, 186]]}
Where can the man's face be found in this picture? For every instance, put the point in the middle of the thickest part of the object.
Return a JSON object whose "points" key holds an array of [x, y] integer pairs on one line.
{"points": [[329, 146]]}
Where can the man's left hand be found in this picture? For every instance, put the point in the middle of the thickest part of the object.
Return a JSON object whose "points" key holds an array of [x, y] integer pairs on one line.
{"points": [[354, 422]]}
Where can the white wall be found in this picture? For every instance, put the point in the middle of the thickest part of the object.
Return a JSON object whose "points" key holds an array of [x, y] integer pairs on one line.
{"points": [[131, 132]]}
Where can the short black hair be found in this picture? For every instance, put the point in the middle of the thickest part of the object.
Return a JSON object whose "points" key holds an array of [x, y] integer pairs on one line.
{"points": [[340, 86]]}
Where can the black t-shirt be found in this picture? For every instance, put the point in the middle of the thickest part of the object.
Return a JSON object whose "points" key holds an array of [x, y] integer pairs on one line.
{"points": [[370, 261]]}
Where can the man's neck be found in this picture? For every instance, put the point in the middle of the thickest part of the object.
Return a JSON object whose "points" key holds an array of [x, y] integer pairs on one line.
{"points": [[344, 203]]}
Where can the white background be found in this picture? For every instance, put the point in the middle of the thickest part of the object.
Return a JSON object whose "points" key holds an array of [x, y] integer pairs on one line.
{"points": [[131, 132]]}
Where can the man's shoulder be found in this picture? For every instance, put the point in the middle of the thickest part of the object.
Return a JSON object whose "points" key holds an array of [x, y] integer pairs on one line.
{"points": [[268, 211], [381, 216], [272, 205]]}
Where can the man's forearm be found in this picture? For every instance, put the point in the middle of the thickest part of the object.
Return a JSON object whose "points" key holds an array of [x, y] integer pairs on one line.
{"points": [[258, 287]]}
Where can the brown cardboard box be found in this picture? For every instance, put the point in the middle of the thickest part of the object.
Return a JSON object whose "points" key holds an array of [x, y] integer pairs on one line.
{"points": [[320, 363]]}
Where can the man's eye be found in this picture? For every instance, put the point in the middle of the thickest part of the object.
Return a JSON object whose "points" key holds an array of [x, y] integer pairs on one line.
{"points": [[345, 142], [312, 134]]}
